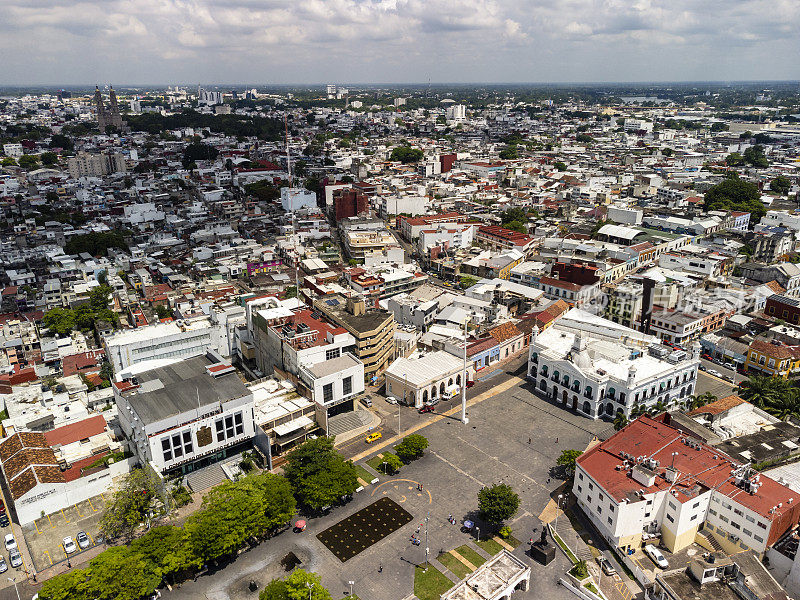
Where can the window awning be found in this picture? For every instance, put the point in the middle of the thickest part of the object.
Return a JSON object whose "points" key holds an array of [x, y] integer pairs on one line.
{"points": [[291, 426]]}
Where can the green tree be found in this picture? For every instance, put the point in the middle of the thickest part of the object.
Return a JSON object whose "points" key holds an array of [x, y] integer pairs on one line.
{"points": [[497, 503], [319, 475], [167, 551], [406, 154], [584, 138], [8, 161], [163, 311], [761, 390], [734, 159], [719, 126], [467, 281], [412, 447], [48, 158], [28, 161], [66, 586], [567, 461], [95, 243], [509, 152], [300, 585], [61, 141], [754, 155], [119, 573], [735, 194], [198, 151], [290, 292], [237, 510], [391, 463], [699, 400], [560, 166], [60, 321], [620, 420], [781, 185], [130, 505]]}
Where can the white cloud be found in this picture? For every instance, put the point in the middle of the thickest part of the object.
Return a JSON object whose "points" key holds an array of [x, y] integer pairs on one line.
{"points": [[62, 41]]}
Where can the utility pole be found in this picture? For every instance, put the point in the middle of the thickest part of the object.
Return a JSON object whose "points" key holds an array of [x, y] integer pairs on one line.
{"points": [[427, 549], [464, 379]]}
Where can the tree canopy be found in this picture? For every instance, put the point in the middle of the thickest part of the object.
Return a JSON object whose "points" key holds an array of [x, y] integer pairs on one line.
{"points": [[95, 243], [497, 503], [198, 151], [130, 505], [61, 321], [300, 585], [781, 184], [412, 447], [264, 128], [406, 154], [567, 461], [735, 194], [775, 395], [755, 156], [319, 475]]}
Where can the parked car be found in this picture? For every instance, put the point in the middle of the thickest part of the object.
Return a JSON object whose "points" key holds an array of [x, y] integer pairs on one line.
{"points": [[11, 542], [655, 554], [2, 506], [3, 565], [715, 373], [373, 437], [367, 401], [426, 409], [4, 521], [606, 565], [69, 545], [470, 383], [83, 540], [391, 400], [15, 558]]}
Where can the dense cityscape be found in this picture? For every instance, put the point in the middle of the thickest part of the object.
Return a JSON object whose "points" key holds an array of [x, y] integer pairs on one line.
{"points": [[386, 342]]}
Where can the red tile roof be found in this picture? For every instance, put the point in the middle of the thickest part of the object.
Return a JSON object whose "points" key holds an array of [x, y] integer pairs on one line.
{"points": [[74, 432]]}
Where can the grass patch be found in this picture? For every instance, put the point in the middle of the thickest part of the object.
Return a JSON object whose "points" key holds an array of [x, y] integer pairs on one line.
{"points": [[471, 555], [590, 586], [453, 564], [364, 474], [489, 546], [512, 541], [561, 543], [430, 585], [375, 463]]}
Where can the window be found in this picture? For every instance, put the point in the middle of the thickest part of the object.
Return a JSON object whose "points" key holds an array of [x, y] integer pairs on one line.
{"points": [[762, 525], [712, 511], [738, 512], [347, 385], [724, 519], [237, 419], [735, 525], [647, 514], [187, 442], [750, 519], [696, 504], [580, 476], [229, 426], [327, 392], [726, 505], [177, 447], [580, 489], [670, 518], [747, 532], [220, 430], [591, 487], [610, 521], [331, 354], [693, 517], [611, 507], [600, 497], [758, 538], [671, 505], [167, 448], [599, 510]]}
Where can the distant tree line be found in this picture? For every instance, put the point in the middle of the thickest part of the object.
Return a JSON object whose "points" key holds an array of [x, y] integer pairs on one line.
{"points": [[233, 125]]}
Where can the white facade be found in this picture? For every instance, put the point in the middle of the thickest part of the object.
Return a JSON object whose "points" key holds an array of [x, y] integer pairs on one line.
{"points": [[454, 236], [13, 150], [296, 198], [165, 342], [335, 381], [599, 367]]}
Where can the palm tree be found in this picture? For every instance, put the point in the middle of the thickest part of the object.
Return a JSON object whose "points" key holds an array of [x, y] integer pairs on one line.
{"points": [[784, 405], [761, 389], [700, 400], [620, 420]]}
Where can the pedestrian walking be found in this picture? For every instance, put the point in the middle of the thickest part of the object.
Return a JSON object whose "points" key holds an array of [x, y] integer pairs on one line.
{"points": [[380, 568], [556, 440]]}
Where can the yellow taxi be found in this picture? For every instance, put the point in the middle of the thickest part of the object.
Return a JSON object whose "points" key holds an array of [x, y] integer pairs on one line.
{"points": [[373, 437]]}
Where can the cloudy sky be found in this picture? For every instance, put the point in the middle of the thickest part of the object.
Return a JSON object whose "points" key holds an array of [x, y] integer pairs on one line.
{"points": [[384, 41]]}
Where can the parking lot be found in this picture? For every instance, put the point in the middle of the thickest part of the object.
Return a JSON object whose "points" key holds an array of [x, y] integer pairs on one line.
{"points": [[45, 535]]}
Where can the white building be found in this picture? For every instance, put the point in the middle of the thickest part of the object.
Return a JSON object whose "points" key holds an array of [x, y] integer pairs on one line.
{"points": [[165, 342], [457, 112], [651, 478], [424, 378], [296, 198], [186, 415], [598, 367], [452, 237]]}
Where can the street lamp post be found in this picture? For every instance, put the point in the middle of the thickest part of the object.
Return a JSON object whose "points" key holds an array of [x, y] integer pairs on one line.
{"points": [[477, 533], [16, 589], [310, 587], [350, 583], [464, 379], [558, 507], [427, 548]]}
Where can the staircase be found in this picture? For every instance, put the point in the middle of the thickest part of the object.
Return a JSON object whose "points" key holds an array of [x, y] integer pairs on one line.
{"points": [[206, 477], [348, 421], [711, 540]]}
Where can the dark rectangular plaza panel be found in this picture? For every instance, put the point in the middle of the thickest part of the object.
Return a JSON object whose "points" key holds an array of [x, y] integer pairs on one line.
{"points": [[360, 530]]}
